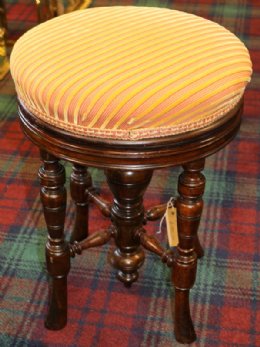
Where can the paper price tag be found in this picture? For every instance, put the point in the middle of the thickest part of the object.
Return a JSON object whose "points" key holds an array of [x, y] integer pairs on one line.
{"points": [[171, 224]]}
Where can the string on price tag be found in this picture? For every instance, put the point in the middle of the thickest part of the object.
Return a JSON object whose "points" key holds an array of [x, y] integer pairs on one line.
{"points": [[171, 224]]}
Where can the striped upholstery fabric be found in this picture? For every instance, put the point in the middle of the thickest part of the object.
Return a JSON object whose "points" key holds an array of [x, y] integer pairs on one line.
{"points": [[129, 72]]}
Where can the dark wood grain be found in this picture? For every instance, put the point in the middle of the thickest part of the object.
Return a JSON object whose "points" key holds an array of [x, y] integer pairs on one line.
{"points": [[103, 205], [96, 239], [127, 215], [80, 181], [152, 244], [189, 208], [53, 197], [133, 155], [128, 166]]}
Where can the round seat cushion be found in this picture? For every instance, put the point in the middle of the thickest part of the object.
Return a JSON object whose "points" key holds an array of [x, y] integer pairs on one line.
{"points": [[129, 72]]}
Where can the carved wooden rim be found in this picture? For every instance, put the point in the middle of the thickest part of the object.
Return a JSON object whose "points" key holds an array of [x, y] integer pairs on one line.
{"points": [[135, 155]]}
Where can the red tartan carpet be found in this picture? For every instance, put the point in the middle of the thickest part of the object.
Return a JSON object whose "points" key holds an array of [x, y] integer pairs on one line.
{"points": [[225, 301]]}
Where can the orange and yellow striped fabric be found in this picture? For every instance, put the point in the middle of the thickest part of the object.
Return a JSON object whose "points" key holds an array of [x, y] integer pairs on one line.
{"points": [[129, 72]]}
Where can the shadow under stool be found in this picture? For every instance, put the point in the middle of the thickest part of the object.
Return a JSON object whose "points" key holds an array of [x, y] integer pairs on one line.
{"points": [[128, 90]]}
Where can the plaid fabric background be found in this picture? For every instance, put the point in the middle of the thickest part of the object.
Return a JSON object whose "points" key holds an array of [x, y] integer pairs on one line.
{"points": [[225, 301]]}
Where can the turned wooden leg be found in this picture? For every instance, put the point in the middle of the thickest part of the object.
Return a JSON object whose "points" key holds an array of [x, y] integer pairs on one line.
{"points": [[127, 215], [80, 181], [53, 196], [189, 208]]}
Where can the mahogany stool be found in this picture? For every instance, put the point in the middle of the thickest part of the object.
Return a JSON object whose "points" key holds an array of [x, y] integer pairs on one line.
{"points": [[128, 90]]}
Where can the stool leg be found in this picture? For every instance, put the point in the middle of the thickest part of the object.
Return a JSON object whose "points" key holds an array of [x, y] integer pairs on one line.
{"points": [[189, 208], [80, 180], [53, 196], [127, 216]]}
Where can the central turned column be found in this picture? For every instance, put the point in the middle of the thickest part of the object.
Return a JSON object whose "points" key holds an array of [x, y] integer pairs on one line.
{"points": [[127, 215]]}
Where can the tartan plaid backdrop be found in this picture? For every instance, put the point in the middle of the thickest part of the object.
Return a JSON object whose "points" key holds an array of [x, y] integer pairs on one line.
{"points": [[225, 301]]}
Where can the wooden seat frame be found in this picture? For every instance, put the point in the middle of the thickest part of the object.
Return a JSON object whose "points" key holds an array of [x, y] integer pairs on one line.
{"points": [[128, 167]]}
